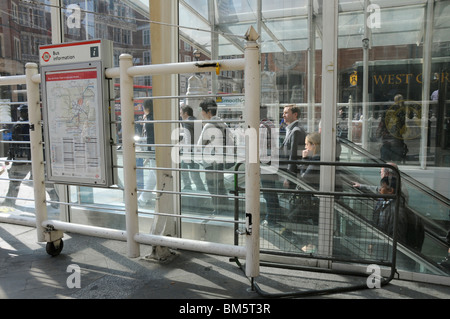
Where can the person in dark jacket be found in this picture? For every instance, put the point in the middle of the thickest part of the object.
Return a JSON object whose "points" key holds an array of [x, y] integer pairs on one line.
{"points": [[20, 155], [294, 142], [305, 207], [148, 135], [384, 211], [274, 210], [311, 173], [391, 130]]}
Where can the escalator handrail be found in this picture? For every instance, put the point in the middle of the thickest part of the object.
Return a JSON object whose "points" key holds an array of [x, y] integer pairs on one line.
{"points": [[411, 181], [306, 188]]}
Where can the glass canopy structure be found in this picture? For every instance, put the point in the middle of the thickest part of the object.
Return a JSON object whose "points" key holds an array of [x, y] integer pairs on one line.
{"points": [[373, 75]]}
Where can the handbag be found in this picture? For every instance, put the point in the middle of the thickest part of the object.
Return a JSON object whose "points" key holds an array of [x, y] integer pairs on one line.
{"points": [[304, 208]]}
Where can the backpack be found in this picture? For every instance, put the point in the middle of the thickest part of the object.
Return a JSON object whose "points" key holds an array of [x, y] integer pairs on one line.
{"points": [[415, 230], [227, 142], [20, 151]]}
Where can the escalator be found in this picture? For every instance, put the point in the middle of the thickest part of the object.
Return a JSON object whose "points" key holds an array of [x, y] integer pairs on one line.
{"points": [[352, 212], [352, 229], [432, 207]]}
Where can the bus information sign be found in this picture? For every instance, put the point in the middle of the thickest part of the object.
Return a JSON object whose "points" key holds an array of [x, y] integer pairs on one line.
{"points": [[76, 109]]}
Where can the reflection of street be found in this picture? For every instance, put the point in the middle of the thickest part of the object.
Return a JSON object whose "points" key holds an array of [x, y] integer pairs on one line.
{"points": [[403, 121], [24, 205]]}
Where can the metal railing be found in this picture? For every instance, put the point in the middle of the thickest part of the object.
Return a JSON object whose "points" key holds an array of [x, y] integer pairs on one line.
{"points": [[355, 239], [50, 231], [332, 211]]}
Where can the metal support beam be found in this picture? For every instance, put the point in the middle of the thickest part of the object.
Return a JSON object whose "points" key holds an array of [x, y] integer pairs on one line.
{"points": [[252, 169], [56, 22], [37, 155], [365, 97], [328, 136], [129, 154], [427, 46], [165, 109], [311, 87]]}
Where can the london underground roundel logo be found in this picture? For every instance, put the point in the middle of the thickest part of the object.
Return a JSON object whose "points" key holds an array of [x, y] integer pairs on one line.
{"points": [[46, 56]]}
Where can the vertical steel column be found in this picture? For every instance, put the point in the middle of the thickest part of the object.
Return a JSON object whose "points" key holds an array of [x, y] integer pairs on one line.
{"points": [[56, 21], [37, 154], [129, 154], [328, 138], [365, 96], [165, 109], [427, 55], [311, 93], [252, 170], [214, 44]]}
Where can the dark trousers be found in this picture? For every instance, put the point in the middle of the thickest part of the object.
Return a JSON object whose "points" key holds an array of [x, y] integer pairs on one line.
{"points": [[216, 186]]}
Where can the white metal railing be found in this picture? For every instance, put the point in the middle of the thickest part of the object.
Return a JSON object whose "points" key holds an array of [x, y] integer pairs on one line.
{"points": [[126, 72]]}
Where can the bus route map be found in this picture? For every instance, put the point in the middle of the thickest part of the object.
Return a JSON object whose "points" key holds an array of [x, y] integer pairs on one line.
{"points": [[73, 131]]}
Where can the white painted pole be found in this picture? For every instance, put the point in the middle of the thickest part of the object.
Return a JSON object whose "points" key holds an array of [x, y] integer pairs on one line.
{"points": [[365, 98], [311, 66], [193, 245], [37, 154], [88, 230], [12, 80], [56, 21], [179, 68], [146, 239], [252, 170], [427, 55], [329, 99], [129, 154]]}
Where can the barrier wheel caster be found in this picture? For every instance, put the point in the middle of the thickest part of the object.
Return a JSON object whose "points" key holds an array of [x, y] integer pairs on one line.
{"points": [[54, 248]]}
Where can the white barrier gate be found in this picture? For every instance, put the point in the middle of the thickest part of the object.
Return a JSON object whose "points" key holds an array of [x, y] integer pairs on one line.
{"points": [[51, 231]]}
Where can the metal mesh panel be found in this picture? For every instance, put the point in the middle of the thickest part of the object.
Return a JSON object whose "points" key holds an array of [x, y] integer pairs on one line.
{"points": [[305, 226]]}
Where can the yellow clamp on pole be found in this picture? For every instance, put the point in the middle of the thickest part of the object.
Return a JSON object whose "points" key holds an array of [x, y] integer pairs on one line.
{"points": [[217, 68]]}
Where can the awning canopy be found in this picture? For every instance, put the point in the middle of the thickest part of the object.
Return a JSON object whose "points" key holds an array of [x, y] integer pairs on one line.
{"points": [[283, 24]]}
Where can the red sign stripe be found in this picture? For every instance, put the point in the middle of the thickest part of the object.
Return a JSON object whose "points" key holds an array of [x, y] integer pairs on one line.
{"points": [[66, 76], [53, 46]]}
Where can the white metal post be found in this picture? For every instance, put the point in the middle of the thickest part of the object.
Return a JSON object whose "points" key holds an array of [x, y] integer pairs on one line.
{"points": [[365, 99], [164, 109], [252, 170], [129, 154], [427, 47], [37, 154], [311, 93], [328, 138], [56, 21]]}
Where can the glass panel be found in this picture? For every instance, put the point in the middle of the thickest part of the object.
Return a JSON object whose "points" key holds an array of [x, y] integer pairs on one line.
{"points": [[235, 11], [24, 27], [396, 61], [127, 25], [394, 68], [441, 24], [199, 6], [394, 106], [192, 27], [284, 46]]}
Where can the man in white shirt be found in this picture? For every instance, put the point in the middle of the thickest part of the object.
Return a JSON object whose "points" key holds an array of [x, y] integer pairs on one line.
{"points": [[213, 140]]}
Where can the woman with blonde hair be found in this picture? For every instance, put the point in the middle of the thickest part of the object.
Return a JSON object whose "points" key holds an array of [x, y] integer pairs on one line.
{"points": [[304, 207], [310, 173]]}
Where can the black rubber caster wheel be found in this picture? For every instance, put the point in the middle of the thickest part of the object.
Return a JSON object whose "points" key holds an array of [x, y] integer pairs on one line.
{"points": [[54, 248]]}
